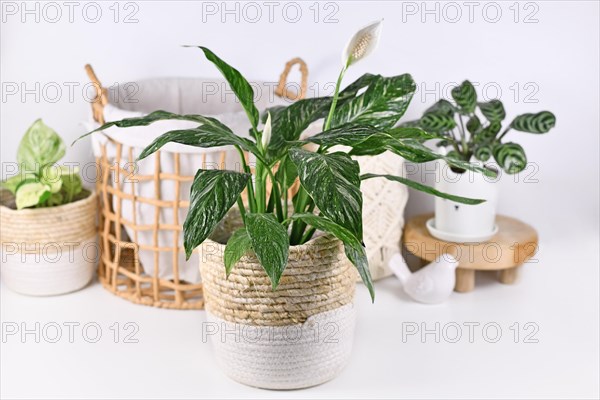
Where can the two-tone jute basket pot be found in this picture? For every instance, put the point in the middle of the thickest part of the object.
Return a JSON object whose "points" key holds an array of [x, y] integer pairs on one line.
{"points": [[49, 251], [296, 336]]}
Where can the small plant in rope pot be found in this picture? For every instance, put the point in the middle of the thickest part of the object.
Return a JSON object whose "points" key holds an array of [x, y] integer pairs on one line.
{"points": [[274, 270], [45, 210], [474, 131]]}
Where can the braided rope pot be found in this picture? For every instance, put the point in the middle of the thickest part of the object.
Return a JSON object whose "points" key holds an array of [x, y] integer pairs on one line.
{"points": [[296, 336], [49, 251]]}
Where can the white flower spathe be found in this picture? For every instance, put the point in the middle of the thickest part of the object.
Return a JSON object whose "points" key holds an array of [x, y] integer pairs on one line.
{"points": [[266, 133], [362, 43]]}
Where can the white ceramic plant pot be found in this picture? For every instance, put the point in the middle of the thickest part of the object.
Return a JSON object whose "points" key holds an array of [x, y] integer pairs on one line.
{"points": [[296, 336], [456, 222], [49, 251]]}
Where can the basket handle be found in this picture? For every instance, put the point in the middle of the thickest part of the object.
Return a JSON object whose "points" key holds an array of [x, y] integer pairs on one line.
{"points": [[282, 91], [101, 98]]}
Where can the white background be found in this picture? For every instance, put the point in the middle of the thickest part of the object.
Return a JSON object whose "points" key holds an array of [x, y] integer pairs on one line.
{"points": [[549, 50]]}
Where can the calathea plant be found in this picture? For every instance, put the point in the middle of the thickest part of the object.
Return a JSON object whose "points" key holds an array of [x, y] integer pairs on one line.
{"points": [[361, 117], [474, 129], [40, 182]]}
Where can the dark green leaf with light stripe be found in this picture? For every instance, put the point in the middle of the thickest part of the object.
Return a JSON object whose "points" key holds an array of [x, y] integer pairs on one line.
{"points": [[238, 244], [212, 194], [381, 105], [442, 107], [493, 110], [465, 97], [238, 83], [541, 122], [488, 134], [510, 157], [473, 125], [202, 136], [424, 188], [369, 140], [157, 116], [483, 152], [270, 242], [333, 181], [288, 123], [437, 122]]}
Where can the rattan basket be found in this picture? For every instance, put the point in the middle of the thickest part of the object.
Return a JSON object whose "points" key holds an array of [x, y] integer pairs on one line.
{"points": [[135, 251]]}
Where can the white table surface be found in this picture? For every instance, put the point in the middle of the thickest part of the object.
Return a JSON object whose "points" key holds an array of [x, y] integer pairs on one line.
{"points": [[559, 294]]}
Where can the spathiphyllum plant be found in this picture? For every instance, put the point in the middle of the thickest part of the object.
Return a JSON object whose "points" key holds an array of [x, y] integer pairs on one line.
{"points": [[361, 117], [474, 129]]}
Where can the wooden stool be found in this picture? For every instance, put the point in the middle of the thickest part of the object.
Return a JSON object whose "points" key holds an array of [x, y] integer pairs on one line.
{"points": [[515, 243]]}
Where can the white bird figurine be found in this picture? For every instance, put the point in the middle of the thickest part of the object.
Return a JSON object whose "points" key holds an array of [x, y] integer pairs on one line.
{"points": [[431, 284]]}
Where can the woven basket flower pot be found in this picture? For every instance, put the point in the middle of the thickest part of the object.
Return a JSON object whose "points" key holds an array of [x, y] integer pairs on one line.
{"points": [[297, 336], [49, 251]]}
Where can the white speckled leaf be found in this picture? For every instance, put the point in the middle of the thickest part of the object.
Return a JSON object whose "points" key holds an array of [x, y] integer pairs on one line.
{"points": [[212, 195], [333, 181], [270, 242], [237, 245]]}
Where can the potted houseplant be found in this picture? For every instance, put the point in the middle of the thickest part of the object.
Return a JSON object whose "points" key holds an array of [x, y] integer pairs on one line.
{"points": [[282, 281], [47, 220], [472, 131]]}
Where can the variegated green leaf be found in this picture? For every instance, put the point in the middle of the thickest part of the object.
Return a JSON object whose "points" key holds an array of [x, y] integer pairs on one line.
{"points": [[157, 116], [352, 89], [411, 124], [424, 188], [239, 85], [352, 246], [202, 136], [541, 122], [510, 157], [71, 186], [212, 194], [483, 152], [286, 173], [437, 122], [459, 163], [333, 181], [288, 123], [369, 140], [442, 107], [31, 194], [488, 134], [270, 242], [493, 110], [238, 244], [465, 97], [12, 184], [40, 146], [381, 105], [473, 125]]}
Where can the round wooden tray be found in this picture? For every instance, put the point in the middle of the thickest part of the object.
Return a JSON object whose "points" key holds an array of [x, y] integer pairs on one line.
{"points": [[515, 243]]}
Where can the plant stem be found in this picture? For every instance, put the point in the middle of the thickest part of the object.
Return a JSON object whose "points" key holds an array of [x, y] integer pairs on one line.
{"points": [[277, 195], [285, 195], [298, 226], [260, 188], [240, 204], [336, 94], [309, 233], [463, 136], [251, 200], [503, 133]]}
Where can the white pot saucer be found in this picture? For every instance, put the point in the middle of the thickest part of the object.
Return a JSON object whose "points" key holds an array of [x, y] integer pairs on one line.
{"points": [[458, 238]]}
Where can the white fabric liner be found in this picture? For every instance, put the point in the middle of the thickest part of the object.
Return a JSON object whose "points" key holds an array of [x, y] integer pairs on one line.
{"points": [[208, 97]]}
